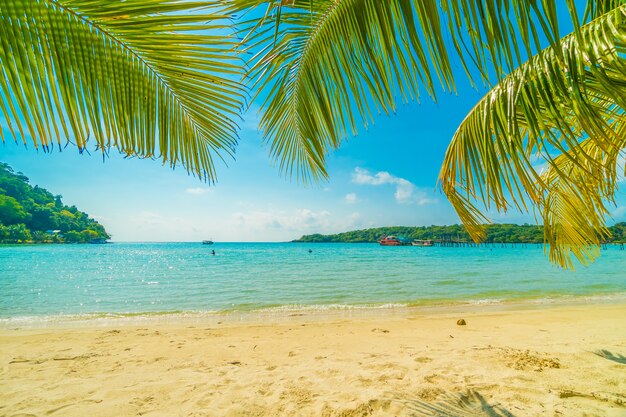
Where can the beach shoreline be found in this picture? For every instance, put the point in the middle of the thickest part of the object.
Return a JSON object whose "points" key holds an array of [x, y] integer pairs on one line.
{"points": [[525, 359], [315, 313]]}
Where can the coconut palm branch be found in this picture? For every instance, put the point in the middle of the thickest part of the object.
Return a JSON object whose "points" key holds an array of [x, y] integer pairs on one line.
{"points": [[574, 207], [323, 68], [152, 78], [563, 111]]}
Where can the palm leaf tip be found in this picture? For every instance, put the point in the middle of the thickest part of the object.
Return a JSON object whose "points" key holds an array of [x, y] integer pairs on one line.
{"points": [[146, 77], [565, 108]]}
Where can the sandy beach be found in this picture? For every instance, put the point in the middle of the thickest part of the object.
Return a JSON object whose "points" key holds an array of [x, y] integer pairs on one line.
{"points": [[506, 361]]}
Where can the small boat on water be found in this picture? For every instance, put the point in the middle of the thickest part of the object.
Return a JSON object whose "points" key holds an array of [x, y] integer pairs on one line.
{"points": [[207, 242], [419, 242], [390, 241]]}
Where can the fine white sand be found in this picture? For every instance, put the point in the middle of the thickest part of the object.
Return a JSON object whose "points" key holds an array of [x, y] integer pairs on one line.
{"points": [[513, 361]]}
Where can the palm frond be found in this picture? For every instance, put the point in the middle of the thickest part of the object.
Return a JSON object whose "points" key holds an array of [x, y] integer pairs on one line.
{"points": [[564, 110], [573, 207], [152, 78], [326, 67], [596, 8]]}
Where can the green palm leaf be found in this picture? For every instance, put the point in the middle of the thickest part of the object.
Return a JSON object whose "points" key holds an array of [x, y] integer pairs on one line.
{"points": [[564, 109], [323, 68], [596, 8], [148, 77]]}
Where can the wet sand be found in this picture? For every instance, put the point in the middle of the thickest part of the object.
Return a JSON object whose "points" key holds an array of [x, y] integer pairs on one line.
{"points": [[515, 361]]}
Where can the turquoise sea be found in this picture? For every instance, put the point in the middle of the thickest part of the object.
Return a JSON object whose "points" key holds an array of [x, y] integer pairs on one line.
{"points": [[52, 281]]}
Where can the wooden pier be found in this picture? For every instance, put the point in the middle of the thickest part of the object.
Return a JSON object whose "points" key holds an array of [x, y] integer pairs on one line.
{"points": [[454, 243]]}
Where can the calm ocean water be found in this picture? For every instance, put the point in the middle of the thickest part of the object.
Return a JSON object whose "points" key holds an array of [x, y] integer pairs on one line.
{"points": [[127, 278]]}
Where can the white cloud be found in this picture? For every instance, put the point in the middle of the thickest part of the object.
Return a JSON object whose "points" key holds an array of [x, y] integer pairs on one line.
{"points": [[198, 190], [406, 191], [285, 225], [301, 219], [363, 176], [351, 198]]}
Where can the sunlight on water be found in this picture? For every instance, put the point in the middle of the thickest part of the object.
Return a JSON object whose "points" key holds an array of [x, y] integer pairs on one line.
{"points": [[49, 280]]}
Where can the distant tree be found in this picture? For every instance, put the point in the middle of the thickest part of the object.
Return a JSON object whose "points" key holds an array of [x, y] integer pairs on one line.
{"points": [[4, 233], [42, 218], [34, 210], [11, 211], [39, 236], [89, 235], [496, 233], [18, 233], [73, 237], [65, 220]]}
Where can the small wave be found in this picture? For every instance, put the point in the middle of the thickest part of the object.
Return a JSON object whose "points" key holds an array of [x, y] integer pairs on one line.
{"points": [[105, 318], [323, 307], [487, 301], [25, 321]]}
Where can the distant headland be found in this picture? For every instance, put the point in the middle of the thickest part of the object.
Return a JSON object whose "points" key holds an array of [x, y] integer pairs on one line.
{"points": [[34, 215], [496, 233]]}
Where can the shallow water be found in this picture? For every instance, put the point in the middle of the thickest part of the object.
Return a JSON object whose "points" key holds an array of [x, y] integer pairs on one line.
{"points": [[39, 281]]}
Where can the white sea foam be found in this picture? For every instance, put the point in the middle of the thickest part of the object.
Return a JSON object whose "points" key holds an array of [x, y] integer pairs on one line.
{"points": [[323, 307], [487, 301]]}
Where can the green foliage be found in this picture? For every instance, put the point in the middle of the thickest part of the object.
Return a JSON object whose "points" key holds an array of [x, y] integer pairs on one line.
{"points": [[549, 135], [495, 233], [32, 214], [11, 212], [18, 233], [151, 78], [322, 69]]}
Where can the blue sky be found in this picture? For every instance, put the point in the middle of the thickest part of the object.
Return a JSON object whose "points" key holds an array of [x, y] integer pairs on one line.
{"points": [[384, 176]]}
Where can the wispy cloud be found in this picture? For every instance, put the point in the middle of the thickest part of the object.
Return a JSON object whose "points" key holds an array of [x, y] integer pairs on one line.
{"points": [[406, 191], [351, 198], [300, 219], [198, 190], [294, 223]]}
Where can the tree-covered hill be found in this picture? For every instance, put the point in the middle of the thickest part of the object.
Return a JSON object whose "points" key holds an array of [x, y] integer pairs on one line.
{"points": [[496, 233], [33, 214]]}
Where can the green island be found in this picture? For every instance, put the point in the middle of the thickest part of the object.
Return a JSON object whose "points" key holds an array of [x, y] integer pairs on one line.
{"points": [[496, 233], [34, 215]]}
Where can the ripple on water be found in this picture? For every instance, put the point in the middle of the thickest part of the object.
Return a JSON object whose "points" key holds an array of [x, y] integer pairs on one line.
{"points": [[49, 280]]}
